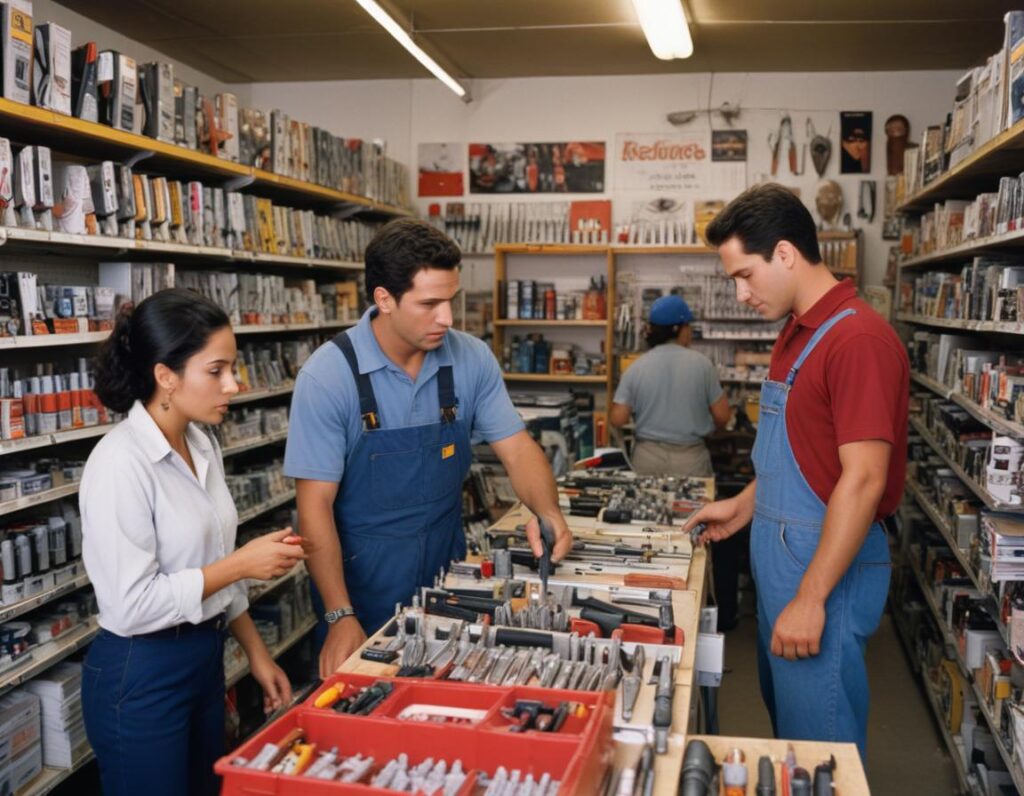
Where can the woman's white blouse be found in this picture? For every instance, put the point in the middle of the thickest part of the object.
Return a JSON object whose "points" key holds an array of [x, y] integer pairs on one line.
{"points": [[149, 525]]}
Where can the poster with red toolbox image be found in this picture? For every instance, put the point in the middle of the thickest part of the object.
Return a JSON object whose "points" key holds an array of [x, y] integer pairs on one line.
{"points": [[564, 167]]}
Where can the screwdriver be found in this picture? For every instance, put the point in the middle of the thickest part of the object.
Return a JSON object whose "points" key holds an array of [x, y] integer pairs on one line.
{"points": [[547, 541]]}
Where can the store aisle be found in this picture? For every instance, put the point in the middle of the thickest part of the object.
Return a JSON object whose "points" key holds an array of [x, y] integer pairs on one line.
{"points": [[906, 754]]}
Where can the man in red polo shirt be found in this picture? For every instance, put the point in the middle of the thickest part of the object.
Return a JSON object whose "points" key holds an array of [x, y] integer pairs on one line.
{"points": [[829, 460]]}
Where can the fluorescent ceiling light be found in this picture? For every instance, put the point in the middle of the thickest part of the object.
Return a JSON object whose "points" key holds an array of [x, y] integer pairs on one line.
{"points": [[664, 25], [386, 21]]}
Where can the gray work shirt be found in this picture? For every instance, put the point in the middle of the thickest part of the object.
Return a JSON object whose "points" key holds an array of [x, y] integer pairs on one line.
{"points": [[670, 390]]}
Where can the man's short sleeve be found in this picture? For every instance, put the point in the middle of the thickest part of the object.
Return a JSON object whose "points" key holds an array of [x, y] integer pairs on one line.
{"points": [[494, 416], [624, 393], [865, 378], [711, 383], [317, 435]]}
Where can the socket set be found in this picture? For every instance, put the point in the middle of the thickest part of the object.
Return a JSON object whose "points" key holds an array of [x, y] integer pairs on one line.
{"points": [[359, 734]]}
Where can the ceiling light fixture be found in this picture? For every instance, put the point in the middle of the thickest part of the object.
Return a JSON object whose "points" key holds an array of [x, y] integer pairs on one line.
{"points": [[664, 25], [389, 24]]}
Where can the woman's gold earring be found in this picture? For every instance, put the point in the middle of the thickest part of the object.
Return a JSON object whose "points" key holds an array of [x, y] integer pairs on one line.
{"points": [[165, 404]]}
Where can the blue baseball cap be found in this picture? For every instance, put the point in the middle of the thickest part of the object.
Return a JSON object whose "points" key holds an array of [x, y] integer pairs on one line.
{"points": [[670, 311]]}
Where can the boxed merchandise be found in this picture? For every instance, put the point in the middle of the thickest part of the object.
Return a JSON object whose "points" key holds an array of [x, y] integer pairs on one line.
{"points": [[156, 90], [73, 209], [227, 120], [118, 83], [84, 66], [16, 49], [20, 744], [51, 76], [60, 692]]}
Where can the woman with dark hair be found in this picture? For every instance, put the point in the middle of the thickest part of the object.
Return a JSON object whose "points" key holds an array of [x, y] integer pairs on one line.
{"points": [[159, 529]]}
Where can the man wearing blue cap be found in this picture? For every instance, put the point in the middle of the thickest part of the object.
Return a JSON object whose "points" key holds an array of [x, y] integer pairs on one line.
{"points": [[674, 394]]}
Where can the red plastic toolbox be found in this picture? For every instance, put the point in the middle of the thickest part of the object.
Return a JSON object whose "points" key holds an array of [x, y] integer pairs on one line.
{"points": [[577, 756]]}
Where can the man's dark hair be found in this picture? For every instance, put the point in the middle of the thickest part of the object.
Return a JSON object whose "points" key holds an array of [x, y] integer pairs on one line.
{"points": [[762, 216], [401, 249], [658, 334]]}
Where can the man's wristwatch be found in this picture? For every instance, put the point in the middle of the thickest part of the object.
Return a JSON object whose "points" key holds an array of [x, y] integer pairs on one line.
{"points": [[333, 616]]}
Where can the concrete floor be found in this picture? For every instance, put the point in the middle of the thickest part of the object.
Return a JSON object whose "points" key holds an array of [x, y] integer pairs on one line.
{"points": [[906, 754]]}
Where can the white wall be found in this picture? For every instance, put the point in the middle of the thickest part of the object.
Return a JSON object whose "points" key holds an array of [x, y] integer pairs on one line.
{"points": [[85, 30], [406, 113]]}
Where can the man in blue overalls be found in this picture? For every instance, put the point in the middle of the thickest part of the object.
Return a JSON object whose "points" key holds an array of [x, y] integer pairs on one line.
{"points": [[829, 460], [379, 441]]}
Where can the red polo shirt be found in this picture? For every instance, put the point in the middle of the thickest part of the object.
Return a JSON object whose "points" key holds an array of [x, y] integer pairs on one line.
{"points": [[854, 386]]}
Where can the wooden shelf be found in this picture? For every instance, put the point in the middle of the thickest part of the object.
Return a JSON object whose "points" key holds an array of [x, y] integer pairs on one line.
{"points": [[696, 249], [979, 490], [38, 499], [942, 524], [992, 327], [967, 250], [518, 322], [8, 612], [51, 340], [51, 777], [251, 445], [996, 422], [549, 248], [276, 502], [27, 123], [555, 378], [9, 446], [48, 654], [980, 171], [259, 395]]}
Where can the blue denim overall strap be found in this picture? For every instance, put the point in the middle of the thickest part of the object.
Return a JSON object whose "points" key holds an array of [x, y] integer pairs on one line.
{"points": [[399, 506], [824, 697]]}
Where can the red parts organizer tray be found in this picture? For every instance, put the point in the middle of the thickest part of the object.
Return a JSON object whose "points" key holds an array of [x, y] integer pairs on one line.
{"points": [[577, 756]]}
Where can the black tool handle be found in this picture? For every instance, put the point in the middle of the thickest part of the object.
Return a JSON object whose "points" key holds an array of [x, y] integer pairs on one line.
{"points": [[631, 617], [608, 623], [547, 542], [765, 776], [513, 637]]}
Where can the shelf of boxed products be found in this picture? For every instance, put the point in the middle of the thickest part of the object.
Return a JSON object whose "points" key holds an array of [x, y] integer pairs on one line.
{"points": [[46, 655], [982, 493], [980, 413], [253, 444], [982, 169], [91, 338], [1000, 327], [259, 395], [65, 243], [263, 508], [942, 525], [38, 499], [966, 250], [9, 446], [51, 777], [553, 249], [698, 249], [90, 139], [953, 743], [8, 612], [555, 378], [550, 322], [950, 640], [276, 651]]}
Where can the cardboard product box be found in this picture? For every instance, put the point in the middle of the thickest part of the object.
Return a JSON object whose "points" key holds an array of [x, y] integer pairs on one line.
{"points": [[16, 49], [74, 198], [51, 75], [42, 170], [103, 183], [279, 142], [118, 83], [227, 118], [156, 89], [84, 66]]}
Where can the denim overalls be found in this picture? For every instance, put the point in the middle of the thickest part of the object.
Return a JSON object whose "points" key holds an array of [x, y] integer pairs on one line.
{"points": [[823, 697]]}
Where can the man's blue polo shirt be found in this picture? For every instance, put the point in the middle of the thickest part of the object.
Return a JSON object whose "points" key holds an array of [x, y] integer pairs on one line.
{"points": [[325, 423]]}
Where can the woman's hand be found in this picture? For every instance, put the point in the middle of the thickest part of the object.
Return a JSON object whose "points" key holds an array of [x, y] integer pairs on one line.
{"points": [[269, 556], [277, 691]]}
